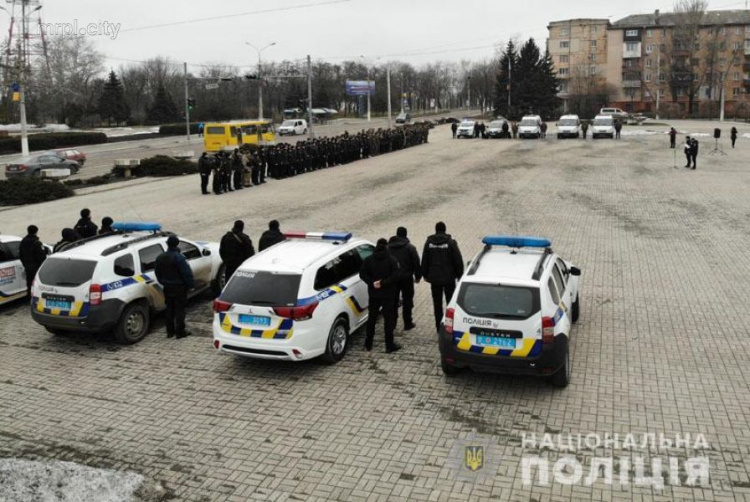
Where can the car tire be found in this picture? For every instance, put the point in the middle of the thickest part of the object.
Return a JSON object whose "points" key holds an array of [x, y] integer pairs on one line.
{"points": [[37, 174], [561, 379], [448, 369], [133, 324], [576, 309], [338, 341], [217, 285]]}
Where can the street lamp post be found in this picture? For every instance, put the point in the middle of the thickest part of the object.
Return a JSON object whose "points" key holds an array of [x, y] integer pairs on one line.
{"points": [[368, 84], [260, 77]]}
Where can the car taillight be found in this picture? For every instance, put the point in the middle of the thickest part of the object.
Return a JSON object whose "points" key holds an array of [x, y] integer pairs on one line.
{"points": [[221, 306], [95, 295], [548, 330], [296, 313], [449, 315]]}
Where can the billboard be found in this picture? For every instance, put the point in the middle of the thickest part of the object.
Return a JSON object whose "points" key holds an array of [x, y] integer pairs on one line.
{"points": [[360, 87]]}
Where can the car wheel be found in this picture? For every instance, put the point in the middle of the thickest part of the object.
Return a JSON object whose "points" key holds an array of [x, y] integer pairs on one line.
{"points": [[217, 285], [576, 310], [338, 341], [133, 324], [37, 173], [561, 379], [448, 369]]}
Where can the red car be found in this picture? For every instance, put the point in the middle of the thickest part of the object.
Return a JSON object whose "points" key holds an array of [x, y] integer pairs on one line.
{"points": [[73, 154]]}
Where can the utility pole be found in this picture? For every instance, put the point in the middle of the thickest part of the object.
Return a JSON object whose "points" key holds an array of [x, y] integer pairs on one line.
{"points": [[468, 104], [22, 81], [510, 80], [309, 99], [187, 103], [388, 91], [658, 81]]}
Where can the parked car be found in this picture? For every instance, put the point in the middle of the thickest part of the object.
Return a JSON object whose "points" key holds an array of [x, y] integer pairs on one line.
{"points": [[33, 165], [403, 118], [495, 129], [293, 127], [569, 126], [466, 129], [73, 154], [530, 127], [603, 127], [615, 113]]}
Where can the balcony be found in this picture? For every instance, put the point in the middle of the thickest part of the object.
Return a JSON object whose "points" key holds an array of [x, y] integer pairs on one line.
{"points": [[746, 66], [631, 84], [746, 82], [747, 50]]}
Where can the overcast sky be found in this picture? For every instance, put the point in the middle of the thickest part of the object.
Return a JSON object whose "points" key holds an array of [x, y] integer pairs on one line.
{"points": [[415, 31]]}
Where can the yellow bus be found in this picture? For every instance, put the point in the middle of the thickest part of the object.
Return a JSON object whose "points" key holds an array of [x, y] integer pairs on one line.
{"points": [[230, 135]]}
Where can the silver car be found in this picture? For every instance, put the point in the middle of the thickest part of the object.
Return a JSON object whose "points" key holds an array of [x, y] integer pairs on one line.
{"points": [[34, 165]]}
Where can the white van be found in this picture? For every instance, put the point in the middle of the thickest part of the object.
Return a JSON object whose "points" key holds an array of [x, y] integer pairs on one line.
{"points": [[569, 126], [615, 113], [293, 127], [530, 127], [603, 126]]}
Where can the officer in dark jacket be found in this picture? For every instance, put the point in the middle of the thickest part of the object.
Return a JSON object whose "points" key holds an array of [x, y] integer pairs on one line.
{"points": [[381, 273], [204, 167], [69, 236], [411, 272], [235, 248], [442, 265], [174, 274], [271, 236], [32, 254], [106, 226], [238, 170], [85, 227]]}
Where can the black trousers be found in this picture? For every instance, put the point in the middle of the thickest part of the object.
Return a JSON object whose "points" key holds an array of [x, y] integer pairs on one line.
{"points": [[406, 292], [671, 143], [30, 274], [175, 298], [237, 178], [204, 182], [388, 306], [438, 292], [694, 157], [230, 268], [734, 140]]}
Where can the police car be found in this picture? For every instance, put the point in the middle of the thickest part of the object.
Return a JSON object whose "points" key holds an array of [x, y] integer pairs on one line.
{"points": [[465, 129], [108, 282], [530, 127], [512, 311], [603, 126], [12, 274], [298, 299]]}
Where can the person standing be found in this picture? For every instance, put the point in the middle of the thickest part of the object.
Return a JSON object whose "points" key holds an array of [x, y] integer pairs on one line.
{"points": [[174, 274], [32, 254], [380, 271], [618, 128], [505, 128], [584, 128], [686, 148], [543, 128], [672, 137], [733, 136], [237, 170], [694, 151], [106, 228], [85, 227], [454, 128], [235, 248], [271, 236], [201, 126], [69, 236], [442, 266], [514, 128], [411, 273], [204, 168]]}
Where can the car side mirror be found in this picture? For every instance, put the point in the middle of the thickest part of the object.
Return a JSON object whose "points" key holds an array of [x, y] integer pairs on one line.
{"points": [[206, 252], [575, 271]]}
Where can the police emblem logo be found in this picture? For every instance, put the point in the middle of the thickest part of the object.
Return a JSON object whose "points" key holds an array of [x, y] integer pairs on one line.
{"points": [[474, 457]]}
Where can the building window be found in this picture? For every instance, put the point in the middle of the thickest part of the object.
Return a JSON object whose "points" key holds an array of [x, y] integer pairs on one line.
{"points": [[592, 57], [648, 77], [593, 43], [564, 44], [563, 87], [649, 33], [736, 91], [631, 46], [737, 30], [722, 46], [563, 71], [736, 76], [661, 93], [631, 33], [663, 32], [649, 48], [723, 30], [592, 70], [648, 63], [564, 32], [661, 77], [662, 47], [737, 46], [564, 58], [722, 62]]}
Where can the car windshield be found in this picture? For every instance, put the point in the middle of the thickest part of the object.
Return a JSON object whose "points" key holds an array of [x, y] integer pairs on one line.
{"points": [[250, 287], [497, 124], [568, 122], [287, 123], [498, 301], [604, 121], [66, 272], [467, 124], [529, 122]]}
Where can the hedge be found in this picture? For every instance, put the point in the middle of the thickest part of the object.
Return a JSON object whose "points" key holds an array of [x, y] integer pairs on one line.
{"points": [[94, 181], [18, 191], [51, 141], [162, 165], [177, 129]]}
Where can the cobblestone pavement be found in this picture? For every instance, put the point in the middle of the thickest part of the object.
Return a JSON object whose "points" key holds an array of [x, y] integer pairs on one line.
{"points": [[660, 347]]}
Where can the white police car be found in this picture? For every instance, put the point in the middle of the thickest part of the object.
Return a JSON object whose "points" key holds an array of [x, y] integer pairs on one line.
{"points": [[530, 127], [465, 129], [12, 274], [298, 299], [512, 311], [108, 282], [603, 126]]}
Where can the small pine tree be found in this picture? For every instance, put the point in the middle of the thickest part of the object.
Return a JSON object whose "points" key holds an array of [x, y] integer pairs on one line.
{"points": [[112, 103], [163, 110]]}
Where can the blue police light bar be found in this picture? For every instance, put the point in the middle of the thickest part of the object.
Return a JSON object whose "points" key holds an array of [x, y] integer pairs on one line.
{"points": [[136, 226], [516, 241], [327, 236]]}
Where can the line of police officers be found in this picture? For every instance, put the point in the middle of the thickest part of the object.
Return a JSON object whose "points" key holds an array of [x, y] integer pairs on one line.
{"points": [[250, 164]]}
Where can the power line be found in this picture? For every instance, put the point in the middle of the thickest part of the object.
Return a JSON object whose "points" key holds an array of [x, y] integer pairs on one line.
{"points": [[225, 16]]}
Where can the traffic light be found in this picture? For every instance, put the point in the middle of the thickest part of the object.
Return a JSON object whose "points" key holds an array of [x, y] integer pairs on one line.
{"points": [[191, 104], [252, 76]]}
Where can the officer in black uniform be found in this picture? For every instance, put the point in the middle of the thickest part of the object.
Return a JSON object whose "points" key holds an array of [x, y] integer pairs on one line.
{"points": [[237, 170], [442, 266], [411, 273], [32, 254], [380, 271], [85, 227], [235, 248], [271, 236], [174, 274], [204, 167]]}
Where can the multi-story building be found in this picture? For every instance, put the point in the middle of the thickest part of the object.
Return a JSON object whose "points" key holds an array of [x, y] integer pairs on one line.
{"points": [[657, 60], [579, 51]]}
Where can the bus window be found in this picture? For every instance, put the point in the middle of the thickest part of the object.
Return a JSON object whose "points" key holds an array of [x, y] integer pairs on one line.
{"points": [[249, 129], [233, 131], [265, 128], [216, 130]]}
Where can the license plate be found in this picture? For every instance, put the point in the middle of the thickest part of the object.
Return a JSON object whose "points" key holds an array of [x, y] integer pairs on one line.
{"points": [[57, 304], [493, 341], [255, 319]]}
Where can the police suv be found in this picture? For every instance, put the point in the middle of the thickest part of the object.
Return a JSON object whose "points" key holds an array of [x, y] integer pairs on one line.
{"points": [[12, 273], [512, 311], [298, 299], [108, 282], [465, 129]]}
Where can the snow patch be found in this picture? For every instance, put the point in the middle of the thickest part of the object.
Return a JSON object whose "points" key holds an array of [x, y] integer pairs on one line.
{"points": [[16, 128], [30, 481]]}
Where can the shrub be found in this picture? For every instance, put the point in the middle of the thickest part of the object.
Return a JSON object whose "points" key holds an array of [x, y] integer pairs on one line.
{"points": [[94, 181], [162, 165], [177, 129], [18, 191], [51, 141]]}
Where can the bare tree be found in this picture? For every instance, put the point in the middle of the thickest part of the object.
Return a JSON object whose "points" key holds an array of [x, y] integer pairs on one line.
{"points": [[686, 71]]}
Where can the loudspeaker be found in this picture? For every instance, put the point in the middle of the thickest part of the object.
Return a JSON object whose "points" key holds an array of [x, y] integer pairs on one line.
{"points": [[717, 133]]}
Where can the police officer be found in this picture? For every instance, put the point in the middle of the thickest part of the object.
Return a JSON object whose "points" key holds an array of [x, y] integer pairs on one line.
{"points": [[733, 136], [442, 265], [216, 168], [204, 167], [237, 170], [174, 274], [380, 271], [85, 227], [514, 128], [672, 137], [32, 254], [69, 236], [226, 173], [454, 128], [693, 151], [271, 236], [584, 128], [106, 226], [411, 273], [618, 128], [235, 248]]}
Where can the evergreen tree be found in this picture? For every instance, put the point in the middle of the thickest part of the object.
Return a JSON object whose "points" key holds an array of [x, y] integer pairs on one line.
{"points": [[163, 110], [527, 78], [112, 103], [549, 103], [505, 84]]}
